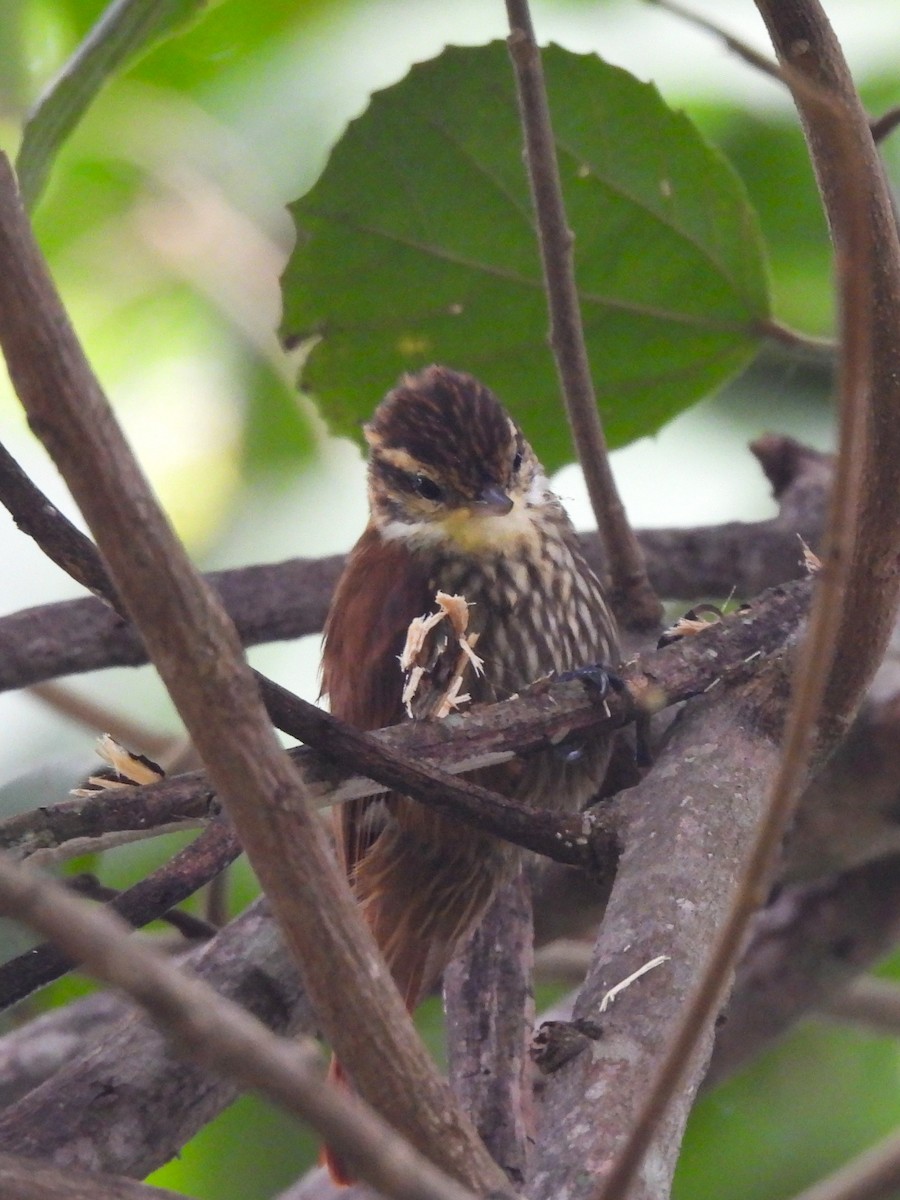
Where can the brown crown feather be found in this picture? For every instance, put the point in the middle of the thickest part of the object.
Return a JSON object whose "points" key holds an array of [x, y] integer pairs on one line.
{"points": [[451, 423]]}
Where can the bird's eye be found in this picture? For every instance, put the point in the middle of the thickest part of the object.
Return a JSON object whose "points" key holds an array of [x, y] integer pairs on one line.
{"points": [[426, 488], [517, 462]]}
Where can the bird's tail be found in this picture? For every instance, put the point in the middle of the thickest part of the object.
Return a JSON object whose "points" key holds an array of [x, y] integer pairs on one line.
{"points": [[420, 908], [329, 1158], [416, 968]]}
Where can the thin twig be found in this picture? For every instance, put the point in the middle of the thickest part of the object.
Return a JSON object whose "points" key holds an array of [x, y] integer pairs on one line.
{"points": [[885, 125], [817, 349], [185, 923], [216, 899], [880, 127], [96, 717], [60, 540], [632, 592], [221, 1035], [563, 961]]}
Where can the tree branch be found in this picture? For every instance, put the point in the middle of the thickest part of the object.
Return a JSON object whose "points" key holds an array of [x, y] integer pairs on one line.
{"points": [[873, 1175], [269, 602], [489, 1018], [108, 1092], [805, 948], [112, 817], [146, 901], [279, 601], [290, 599], [198, 656], [828, 687], [32, 1052], [417, 758], [631, 591], [221, 1035], [749, 55], [870, 1002], [25, 1179], [685, 836], [858, 205], [60, 540]]}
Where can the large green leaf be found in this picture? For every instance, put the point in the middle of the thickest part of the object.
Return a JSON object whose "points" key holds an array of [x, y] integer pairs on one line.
{"points": [[417, 245], [125, 29]]}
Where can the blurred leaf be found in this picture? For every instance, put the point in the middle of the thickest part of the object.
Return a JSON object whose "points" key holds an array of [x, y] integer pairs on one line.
{"points": [[771, 157], [251, 1151], [277, 434], [14, 77], [417, 245], [805, 1107], [95, 189], [127, 28], [213, 52]]}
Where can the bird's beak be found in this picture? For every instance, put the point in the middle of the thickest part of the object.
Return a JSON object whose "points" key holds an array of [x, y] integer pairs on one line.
{"points": [[492, 499]]}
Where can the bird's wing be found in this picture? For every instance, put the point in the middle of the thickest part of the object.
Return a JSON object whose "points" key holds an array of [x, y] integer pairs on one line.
{"points": [[380, 592]]}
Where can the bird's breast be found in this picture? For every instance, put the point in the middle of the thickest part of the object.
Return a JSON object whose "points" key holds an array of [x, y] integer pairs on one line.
{"points": [[535, 612]]}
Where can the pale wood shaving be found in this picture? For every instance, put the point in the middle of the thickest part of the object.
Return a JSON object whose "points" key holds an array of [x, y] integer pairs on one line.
{"points": [[630, 979], [811, 560], [414, 657], [129, 769]]}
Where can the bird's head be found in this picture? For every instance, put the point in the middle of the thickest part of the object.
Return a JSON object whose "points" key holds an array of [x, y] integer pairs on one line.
{"points": [[447, 465]]}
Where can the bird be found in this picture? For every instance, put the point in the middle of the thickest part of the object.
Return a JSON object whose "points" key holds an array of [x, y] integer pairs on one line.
{"points": [[459, 504]]}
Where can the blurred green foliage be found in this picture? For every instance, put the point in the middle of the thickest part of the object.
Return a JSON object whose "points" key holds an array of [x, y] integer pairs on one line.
{"points": [[164, 224]]}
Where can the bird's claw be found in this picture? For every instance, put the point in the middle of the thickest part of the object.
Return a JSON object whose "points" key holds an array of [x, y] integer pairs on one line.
{"points": [[596, 678], [599, 682]]}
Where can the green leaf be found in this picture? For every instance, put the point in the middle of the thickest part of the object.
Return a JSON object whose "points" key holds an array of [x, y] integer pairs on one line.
{"points": [[126, 28], [417, 245]]}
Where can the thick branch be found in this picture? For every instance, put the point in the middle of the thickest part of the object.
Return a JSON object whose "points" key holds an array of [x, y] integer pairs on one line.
{"points": [[290, 599], [24, 1179], [112, 817], [689, 824], [221, 1035], [276, 601], [490, 1014], [118, 1097], [197, 653], [32, 1052]]}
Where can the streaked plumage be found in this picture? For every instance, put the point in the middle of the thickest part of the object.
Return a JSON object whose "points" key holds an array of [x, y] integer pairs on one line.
{"points": [[460, 503]]}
